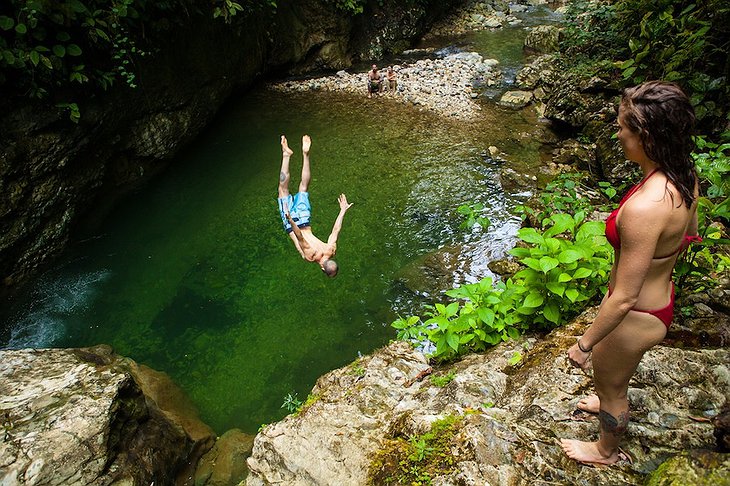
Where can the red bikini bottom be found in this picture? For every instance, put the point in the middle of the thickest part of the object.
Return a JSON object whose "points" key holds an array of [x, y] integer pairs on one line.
{"points": [[664, 314]]}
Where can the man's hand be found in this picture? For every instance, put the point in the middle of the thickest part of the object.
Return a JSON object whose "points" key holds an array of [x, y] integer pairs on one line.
{"points": [[344, 206]]}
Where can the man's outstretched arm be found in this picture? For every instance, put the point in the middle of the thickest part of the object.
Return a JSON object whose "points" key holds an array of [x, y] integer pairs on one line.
{"points": [[344, 206], [299, 241]]}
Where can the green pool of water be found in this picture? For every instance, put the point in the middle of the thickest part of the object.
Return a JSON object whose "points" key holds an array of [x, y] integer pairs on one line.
{"points": [[193, 274]]}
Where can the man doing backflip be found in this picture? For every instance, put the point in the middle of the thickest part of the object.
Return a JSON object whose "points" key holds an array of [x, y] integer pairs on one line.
{"points": [[296, 212]]}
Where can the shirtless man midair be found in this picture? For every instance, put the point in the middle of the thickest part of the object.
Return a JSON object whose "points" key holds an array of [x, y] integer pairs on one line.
{"points": [[295, 212]]}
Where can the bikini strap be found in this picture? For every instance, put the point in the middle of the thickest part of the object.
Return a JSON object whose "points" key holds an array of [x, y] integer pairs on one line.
{"points": [[637, 187]]}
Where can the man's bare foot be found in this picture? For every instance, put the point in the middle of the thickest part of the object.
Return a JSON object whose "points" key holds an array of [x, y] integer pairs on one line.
{"points": [[285, 150], [590, 404], [306, 144], [587, 452]]}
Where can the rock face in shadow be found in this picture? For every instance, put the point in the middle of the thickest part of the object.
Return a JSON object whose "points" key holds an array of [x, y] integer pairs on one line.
{"points": [[79, 417], [55, 175], [512, 415]]}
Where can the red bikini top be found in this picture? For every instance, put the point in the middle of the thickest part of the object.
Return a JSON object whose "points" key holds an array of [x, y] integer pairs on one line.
{"points": [[612, 231]]}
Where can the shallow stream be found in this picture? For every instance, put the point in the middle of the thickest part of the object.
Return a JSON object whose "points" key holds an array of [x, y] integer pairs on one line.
{"points": [[193, 274]]}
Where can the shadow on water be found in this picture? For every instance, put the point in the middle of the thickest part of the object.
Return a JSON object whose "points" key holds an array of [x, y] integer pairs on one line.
{"points": [[193, 274]]}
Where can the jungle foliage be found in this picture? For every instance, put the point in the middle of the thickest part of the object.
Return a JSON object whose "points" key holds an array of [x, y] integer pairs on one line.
{"points": [[55, 49]]}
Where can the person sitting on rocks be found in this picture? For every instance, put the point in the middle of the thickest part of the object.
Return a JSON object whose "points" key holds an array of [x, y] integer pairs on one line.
{"points": [[375, 84], [392, 82], [295, 212]]}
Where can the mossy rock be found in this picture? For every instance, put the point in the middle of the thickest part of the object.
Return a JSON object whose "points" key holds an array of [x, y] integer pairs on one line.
{"points": [[698, 468]]}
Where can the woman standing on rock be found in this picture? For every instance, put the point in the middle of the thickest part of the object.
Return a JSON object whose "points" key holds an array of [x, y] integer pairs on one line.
{"points": [[653, 224]]}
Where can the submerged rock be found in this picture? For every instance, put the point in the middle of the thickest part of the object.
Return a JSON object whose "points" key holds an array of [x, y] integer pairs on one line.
{"points": [[513, 402], [78, 417]]}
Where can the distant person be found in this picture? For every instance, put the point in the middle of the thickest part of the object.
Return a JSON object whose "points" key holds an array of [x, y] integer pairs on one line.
{"points": [[392, 82], [654, 223], [296, 211], [375, 84]]}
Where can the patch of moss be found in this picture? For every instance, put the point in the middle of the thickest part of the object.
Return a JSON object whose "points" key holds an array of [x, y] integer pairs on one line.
{"points": [[417, 459], [443, 380]]}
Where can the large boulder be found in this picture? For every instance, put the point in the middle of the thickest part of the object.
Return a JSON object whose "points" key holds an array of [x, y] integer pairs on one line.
{"points": [[506, 408], [542, 39], [79, 417]]}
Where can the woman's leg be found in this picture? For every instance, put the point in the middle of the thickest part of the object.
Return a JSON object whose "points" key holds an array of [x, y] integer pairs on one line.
{"points": [[615, 359]]}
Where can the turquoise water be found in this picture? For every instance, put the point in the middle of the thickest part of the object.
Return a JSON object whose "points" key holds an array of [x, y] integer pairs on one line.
{"points": [[193, 274]]}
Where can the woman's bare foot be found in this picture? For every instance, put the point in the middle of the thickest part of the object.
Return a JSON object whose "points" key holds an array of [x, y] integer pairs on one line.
{"points": [[285, 150], [587, 452], [590, 404], [306, 144]]}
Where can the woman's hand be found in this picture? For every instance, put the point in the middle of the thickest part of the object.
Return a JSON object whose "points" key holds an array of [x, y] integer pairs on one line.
{"points": [[578, 358]]}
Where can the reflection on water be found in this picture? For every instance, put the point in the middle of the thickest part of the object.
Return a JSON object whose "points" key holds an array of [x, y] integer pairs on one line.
{"points": [[194, 276]]}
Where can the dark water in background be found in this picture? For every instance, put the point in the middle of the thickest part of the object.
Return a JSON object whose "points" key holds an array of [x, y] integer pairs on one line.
{"points": [[193, 275]]}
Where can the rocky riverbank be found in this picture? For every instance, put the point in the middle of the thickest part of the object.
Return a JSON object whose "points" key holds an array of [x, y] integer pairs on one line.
{"points": [[444, 86], [506, 409]]}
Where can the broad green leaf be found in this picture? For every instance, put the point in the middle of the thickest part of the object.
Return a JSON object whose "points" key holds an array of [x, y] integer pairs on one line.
{"points": [[548, 263], [572, 294], [6, 23], [486, 315], [534, 299], [569, 256], [564, 277], [532, 263], [73, 50], [9, 57], [21, 29], [513, 333], [530, 235], [551, 313], [591, 228], [452, 340], [34, 57], [582, 273], [59, 50], [556, 288], [451, 309], [520, 252]]}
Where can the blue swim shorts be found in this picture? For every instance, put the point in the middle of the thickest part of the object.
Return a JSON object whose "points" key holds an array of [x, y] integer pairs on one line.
{"points": [[299, 208]]}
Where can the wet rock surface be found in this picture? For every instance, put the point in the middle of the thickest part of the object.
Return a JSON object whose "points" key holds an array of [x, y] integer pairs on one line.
{"points": [[78, 417], [513, 414]]}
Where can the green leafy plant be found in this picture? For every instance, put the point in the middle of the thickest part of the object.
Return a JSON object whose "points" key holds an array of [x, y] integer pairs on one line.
{"points": [[51, 49], [704, 259], [565, 266], [562, 195], [679, 41], [292, 404], [472, 214]]}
